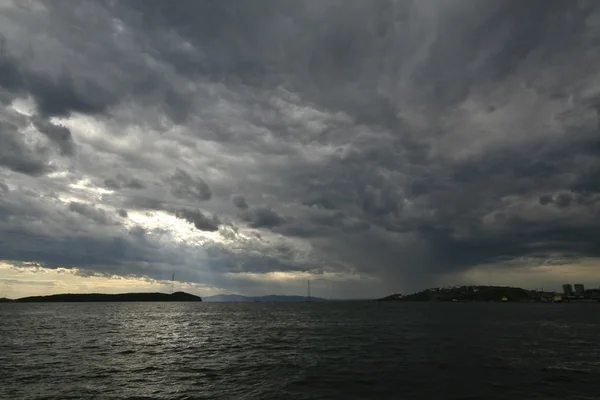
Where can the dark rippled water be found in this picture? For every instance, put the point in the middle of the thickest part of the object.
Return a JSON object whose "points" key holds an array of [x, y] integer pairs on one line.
{"points": [[299, 351]]}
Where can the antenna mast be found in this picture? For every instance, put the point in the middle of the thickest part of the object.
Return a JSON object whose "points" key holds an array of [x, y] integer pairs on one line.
{"points": [[308, 291], [172, 282]]}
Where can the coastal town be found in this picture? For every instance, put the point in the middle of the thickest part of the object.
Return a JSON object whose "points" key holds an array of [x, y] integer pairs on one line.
{"points": [[570, 293]]}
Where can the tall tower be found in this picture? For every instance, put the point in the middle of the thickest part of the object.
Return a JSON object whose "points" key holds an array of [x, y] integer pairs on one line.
{"points": [[172, 282], [308, 291]]}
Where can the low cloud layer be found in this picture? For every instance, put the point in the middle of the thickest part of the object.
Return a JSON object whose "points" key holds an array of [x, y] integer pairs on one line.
{"points": [[373, 146]]}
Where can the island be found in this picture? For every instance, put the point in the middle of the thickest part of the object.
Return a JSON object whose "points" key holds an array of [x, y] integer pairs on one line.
{"points": [[472, 293], [97, 297]]}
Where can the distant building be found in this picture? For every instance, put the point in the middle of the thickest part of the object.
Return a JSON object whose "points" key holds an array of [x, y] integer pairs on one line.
{"points": [[557, 298], [568, 289], [579, 289]]}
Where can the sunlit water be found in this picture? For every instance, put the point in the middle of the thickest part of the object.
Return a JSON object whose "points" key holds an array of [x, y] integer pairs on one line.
{"points": [[299, 351]]}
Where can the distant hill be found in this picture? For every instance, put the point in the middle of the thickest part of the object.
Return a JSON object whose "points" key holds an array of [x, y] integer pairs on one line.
{"points": [[393, 297], [234, 298], [466, 293], [237, 298], [97, 297], [5, 300]]}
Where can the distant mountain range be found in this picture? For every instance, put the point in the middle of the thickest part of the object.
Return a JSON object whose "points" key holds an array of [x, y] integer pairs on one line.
{"points": [[238, 298]]}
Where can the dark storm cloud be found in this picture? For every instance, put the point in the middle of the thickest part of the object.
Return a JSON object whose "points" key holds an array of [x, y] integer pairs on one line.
{"points": [[398, 139], [33, 229], [210, 25], [54, 96], [60, 135], [262, 217], [17, 155], [319, 223], [184, 186], [61, 90], [93, 213], [322, 202], [112, 184], [229, 262], [546, 199], [240, 202], [563, 200], [104, 254], [61, 96], [36, 228], [199, 220], [10, 74], [120, 181]]}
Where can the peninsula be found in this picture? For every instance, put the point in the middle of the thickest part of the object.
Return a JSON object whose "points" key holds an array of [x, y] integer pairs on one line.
{"points": [[494, 293], [97, 297]]}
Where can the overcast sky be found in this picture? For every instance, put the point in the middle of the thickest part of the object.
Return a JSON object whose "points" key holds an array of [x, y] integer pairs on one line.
{"points": [[246, 146]]}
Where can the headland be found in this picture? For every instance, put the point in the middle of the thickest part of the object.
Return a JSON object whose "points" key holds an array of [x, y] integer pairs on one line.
{"points": [[495, 294], [98, 297]]}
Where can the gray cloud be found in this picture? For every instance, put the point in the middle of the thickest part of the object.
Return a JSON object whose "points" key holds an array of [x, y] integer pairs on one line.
{"points": [[546, 199], [402, 141], [18, 156], [112, 184], [54, 95], [199, 220], [93, 213], [184, 186], [120, 181], [60, 135], [262, 217], [240, 202]]}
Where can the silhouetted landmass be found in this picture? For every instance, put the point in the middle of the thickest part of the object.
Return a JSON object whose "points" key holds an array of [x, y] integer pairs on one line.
{"points": [[237, 298], [122, 297], [393, 297], [227, 298], [475, 293], [5, 300]]}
